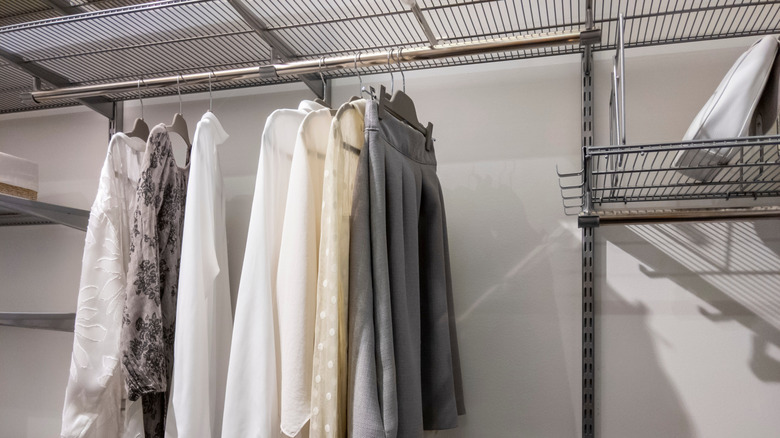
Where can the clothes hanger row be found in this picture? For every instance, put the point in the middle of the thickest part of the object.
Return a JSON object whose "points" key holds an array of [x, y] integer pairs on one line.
{"points": [[140, 128], [396, 103], [178, 124], [400, 105]]}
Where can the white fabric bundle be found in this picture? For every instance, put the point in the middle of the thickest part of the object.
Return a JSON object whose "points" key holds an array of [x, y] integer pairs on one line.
{"points": [[18, 172], [729, 111]]}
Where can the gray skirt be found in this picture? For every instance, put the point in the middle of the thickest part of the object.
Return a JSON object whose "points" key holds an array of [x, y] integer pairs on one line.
{"points": [[404, 367]]}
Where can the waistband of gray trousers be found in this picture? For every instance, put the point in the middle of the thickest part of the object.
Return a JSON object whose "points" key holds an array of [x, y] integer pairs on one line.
{"points": [[402, 137]]}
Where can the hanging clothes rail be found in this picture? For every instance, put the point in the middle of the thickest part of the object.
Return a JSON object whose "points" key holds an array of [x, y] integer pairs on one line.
{"points": [[325, 64]]}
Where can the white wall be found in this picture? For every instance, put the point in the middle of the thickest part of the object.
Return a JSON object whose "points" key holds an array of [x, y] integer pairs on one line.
{"points": [[688, 330]]}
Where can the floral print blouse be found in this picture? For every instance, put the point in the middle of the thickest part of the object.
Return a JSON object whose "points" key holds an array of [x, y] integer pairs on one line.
{"points": [[149, 318]]}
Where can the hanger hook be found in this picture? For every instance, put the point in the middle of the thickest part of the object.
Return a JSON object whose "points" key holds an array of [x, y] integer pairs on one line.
{"points": [[211, 100], [178, 90], [400, 69], [322, 78], [390, 68], [360, 78], [140, 98]]}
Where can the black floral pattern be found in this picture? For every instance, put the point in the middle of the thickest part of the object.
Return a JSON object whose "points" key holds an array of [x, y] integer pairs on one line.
{"points": [[149, 319], [147, 281]]}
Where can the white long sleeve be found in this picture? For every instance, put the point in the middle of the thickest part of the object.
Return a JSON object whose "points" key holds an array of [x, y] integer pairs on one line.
{"points": [[94, 393], [252, 396], [297, 276], [203, 316]]}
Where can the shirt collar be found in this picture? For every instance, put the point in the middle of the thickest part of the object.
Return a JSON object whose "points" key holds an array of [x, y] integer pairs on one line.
{"points": [[217, 130], [309, 105]]}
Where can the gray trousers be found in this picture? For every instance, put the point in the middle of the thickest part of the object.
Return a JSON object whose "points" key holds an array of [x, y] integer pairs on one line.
{"points": [[404, 366]]}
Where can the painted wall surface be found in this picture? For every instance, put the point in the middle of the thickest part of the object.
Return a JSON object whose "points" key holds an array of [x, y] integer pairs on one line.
{"points": [[689, 315]]}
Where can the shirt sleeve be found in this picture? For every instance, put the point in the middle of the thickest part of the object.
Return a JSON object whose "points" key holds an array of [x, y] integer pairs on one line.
{"points": [[143, 356], [190, 397], [93, 393], [296, 280], [251, 394]]}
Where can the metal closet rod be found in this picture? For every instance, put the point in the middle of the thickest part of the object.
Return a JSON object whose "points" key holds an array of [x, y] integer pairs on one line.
{"points": [[325, 64]]}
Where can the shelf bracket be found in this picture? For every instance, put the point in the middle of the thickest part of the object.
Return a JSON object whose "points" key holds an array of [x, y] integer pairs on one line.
{"points": [[588, 221], [100, 105], [117, 122], [63, 7], [279, 49], [589, 37], [18, 211], [426, 28], [61, 322]]}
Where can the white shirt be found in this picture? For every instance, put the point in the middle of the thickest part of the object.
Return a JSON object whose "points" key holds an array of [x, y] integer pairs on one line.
{"points": [[297, 276], [204, 319], [252, 397], [95, 390]]}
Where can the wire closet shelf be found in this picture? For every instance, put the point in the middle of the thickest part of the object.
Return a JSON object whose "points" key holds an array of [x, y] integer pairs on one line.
{"points": [[130, 40], [649, 177], [646, 173]]}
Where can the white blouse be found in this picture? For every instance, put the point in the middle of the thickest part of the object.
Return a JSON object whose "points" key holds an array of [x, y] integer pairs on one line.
{"points": [[252, 398], [204, 319], [95, 390], [329, 382], [297, 275]]}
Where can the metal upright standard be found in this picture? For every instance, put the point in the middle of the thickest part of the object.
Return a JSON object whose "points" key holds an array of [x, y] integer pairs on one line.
{"points": [[588, 326]]}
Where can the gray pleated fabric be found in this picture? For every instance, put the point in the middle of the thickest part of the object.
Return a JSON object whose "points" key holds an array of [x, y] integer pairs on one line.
{"points": [[404, 366]]}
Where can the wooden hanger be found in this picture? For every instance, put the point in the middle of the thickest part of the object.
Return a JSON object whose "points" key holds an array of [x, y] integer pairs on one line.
{"points": [[179, 125], [140, 128], [321, 102]]}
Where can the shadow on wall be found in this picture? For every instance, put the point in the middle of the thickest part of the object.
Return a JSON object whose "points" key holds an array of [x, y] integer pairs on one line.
{"points": [[237, 213], [733, 266], [640, 399], [512, 354]]}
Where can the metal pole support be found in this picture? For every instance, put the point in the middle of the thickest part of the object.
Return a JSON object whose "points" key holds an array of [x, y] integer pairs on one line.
{"points": [[588, 222], [588, 335], [116, 122]]}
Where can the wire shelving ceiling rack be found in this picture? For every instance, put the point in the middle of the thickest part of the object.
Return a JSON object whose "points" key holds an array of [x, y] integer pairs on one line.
{"points": [[104, 41]]}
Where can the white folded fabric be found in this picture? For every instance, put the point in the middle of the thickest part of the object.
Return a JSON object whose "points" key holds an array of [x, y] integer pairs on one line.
{"points": [[18, 172], [765, 115], [729, 111]]}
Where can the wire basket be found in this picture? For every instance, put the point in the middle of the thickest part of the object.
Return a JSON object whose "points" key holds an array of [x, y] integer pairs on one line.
{"points": [[695, 170]]}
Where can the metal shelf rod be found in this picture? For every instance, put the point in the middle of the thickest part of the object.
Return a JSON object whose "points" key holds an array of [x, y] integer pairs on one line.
{"points": [[325, 64], [689, 215]]}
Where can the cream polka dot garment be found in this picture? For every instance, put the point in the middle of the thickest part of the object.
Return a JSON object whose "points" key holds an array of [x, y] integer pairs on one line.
{"points": [[329, 372]]}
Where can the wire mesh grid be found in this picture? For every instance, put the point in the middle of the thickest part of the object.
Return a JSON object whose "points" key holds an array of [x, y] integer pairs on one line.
{"points": [[108, 43], [744, 168], [23, 11], [675, 21]]}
